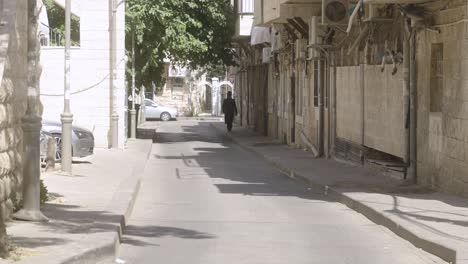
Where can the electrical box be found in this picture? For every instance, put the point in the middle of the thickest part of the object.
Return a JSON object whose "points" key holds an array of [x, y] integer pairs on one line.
{"points": [[335, 12], [276, 41], [266, 55]]}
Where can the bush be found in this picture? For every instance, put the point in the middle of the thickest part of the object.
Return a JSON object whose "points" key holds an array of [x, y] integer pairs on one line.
{"points": [[44, 193]]}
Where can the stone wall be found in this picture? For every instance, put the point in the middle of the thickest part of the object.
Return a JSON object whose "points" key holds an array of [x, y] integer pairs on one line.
{"points": [[443, 112], [13, 61]]}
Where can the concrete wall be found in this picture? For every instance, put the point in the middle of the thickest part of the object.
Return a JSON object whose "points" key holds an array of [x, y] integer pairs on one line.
{"points": [[443, 135], [89, 67]]}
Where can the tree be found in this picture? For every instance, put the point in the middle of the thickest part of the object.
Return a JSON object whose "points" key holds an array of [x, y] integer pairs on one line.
{"points": [[56, 15], [196, 33]]}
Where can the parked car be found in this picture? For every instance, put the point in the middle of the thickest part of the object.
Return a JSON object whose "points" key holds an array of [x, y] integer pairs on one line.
{"points": [[82, 139], [44, 140], [155, 111]]}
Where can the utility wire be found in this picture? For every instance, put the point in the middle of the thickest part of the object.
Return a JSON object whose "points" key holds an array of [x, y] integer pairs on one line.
{"points": [[84, 89]]}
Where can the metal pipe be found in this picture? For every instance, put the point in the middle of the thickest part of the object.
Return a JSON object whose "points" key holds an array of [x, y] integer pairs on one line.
{"points": [[133, 110], [67, 116], [378, 2], [327, 87], [406, 97], [333, 59], [412, 171], [353, 15], [321, 106], [114, 117]]}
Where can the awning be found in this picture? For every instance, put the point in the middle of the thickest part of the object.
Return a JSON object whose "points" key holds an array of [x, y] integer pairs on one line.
{"points": [[260, 35]]}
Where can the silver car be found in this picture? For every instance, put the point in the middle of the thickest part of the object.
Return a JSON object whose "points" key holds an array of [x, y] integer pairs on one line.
{"points": [[155, 111], [82, 139]]}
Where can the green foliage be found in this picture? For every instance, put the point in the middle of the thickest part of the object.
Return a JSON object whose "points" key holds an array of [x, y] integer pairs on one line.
{"points": [[56, 16], [193, 32], [44, 193]]}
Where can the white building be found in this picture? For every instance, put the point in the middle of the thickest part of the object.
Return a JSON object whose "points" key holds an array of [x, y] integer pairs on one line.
{"points": [[90, 100]]}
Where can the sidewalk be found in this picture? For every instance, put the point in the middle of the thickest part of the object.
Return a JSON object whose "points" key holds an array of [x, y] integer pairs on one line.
{"points": [[435, 222], [88, 211]]}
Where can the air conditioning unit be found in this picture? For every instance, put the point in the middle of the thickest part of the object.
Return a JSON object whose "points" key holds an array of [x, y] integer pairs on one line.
{"points": [[335, 12], [378, 13]]}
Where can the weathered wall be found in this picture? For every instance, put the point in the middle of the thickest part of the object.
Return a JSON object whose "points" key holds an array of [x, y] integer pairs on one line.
{"points": [[364, 93], [13, 65], [384, 126], [349, 103], [443, 133]]}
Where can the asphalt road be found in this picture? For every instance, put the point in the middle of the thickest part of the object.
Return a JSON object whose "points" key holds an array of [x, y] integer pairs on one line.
{"points": [[205, 200]]}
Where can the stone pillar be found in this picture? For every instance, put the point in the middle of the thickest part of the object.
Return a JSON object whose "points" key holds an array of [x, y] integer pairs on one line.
{"points": [[31, 125]]}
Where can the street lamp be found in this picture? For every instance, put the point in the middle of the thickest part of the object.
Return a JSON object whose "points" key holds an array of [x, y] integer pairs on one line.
{"points": [[67, 116], [114, 116]]}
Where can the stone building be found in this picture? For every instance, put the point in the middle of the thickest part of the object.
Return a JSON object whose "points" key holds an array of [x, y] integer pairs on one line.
{"points": [[185, 89], [373, 82]]}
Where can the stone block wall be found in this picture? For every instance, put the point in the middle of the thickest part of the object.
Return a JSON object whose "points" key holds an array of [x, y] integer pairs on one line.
{"points": [[443, 133], [13, 76]]}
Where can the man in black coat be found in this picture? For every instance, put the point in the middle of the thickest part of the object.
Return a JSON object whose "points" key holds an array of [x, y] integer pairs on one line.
{"points": [[229, 110]]}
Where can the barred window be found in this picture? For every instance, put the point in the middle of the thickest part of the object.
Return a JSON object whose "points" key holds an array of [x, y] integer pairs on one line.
{"points": [[246, 6]]}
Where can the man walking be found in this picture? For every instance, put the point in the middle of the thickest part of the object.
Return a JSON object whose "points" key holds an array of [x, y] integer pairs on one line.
{"points": [[230, 110]]}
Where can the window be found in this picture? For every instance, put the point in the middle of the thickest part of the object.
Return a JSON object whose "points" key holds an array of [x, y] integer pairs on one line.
{"points": [[437, 77], [246, 6]]}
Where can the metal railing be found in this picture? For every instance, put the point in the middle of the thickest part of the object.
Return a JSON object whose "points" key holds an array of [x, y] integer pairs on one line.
{"points": [[55, 38], [246, 6]]}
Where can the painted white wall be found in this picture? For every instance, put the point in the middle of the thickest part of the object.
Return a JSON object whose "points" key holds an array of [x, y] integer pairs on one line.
{"points": [[89, 66]]}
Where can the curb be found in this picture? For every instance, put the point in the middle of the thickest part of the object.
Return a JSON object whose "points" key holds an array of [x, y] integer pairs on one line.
{"points": [[127, 191], [446, 253]]}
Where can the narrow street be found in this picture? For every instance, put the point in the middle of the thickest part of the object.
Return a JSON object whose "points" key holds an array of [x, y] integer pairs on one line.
{"points": [[205, 200]]}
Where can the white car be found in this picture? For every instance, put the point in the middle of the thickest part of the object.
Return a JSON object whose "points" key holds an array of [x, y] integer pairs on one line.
{"points": [[155, 111]]}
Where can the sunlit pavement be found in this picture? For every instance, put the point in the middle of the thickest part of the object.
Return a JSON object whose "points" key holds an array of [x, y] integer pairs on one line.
{"points": [[206, 200]]}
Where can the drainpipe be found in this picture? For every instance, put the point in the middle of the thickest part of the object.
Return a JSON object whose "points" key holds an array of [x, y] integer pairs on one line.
{"points": [[406, 97], [333, 105], [328, 103], [320, 66], [412, 171], [321, 106]]}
